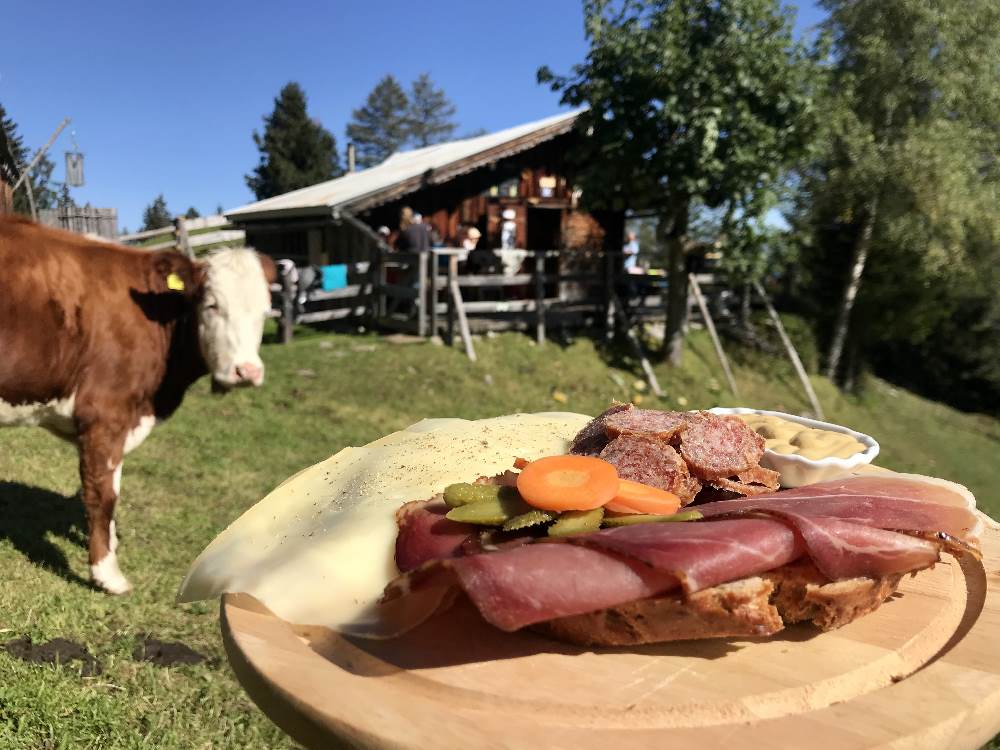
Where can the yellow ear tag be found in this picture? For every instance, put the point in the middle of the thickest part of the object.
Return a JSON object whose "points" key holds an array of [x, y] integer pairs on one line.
{"points": [[175, 282]]}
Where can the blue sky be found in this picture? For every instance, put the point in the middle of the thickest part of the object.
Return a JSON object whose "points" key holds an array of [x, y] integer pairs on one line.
{"points": [[164, 96]]}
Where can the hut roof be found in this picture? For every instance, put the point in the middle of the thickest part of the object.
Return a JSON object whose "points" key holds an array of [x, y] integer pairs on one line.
{"points": [[405, 172]]}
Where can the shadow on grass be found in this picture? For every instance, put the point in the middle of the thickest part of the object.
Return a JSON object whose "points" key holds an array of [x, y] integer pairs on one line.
{"points": [[29, 515]]}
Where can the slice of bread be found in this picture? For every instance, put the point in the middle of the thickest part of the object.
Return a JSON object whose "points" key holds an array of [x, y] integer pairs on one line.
{"points": [[750, 607]]}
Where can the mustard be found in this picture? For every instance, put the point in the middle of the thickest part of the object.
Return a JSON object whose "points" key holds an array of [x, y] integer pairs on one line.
{"points": [[783, 436]]}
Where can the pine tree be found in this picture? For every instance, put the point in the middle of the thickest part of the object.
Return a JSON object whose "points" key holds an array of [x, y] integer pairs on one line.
{"points": [[156, 215], [14, 156], [65, 199], [381, 126], [295, 151], [431, 113], [192, 213]]}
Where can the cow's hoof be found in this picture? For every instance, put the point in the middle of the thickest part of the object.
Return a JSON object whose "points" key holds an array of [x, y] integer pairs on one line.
{"points": [[108, 576]]}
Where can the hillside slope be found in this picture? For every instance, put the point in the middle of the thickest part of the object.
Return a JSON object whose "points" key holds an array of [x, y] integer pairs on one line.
{"points": [[218, 455]]}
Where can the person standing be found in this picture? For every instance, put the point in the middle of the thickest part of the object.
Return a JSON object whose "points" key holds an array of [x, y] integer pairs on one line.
{"points": [[631, 252], [413, 236]]}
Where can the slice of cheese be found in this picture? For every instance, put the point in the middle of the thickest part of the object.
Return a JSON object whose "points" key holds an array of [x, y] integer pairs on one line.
{"points": [[318, 550]]}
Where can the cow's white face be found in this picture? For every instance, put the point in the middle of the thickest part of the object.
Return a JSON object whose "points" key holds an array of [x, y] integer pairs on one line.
{"points": [[231, 313]]}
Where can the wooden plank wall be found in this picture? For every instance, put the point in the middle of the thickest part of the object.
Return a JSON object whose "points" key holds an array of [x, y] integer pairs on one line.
{"points": [[82, 220]]}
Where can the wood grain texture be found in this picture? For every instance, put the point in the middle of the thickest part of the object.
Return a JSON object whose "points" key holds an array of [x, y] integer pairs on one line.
{"points": [[923, 671]]}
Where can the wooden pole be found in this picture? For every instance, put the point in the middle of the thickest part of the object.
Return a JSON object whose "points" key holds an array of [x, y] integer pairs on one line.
{"points": [[654, 384], [609, 294], [41, 152], [6, 198], [792, 353], [463, 323], [710, 324], [540, 298]]}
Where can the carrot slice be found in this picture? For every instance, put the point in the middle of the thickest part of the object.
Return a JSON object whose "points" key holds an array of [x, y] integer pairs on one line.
{"points": [[634, 497], [568, 483]]}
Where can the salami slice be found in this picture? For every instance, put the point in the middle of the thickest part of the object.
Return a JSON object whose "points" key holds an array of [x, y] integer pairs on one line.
{"points": [[665, 425], [742, 488], [652, 461], [760, 475], [717, 447], [592, 439]]}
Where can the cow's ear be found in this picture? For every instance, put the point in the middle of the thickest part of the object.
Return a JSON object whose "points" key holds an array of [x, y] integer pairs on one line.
{"points": [[270, 269], [169, 271]]}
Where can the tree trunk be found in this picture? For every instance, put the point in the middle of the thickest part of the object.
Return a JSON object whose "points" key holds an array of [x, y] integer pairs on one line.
{"points": [[745, 311], [861, 248], [677, 284]]}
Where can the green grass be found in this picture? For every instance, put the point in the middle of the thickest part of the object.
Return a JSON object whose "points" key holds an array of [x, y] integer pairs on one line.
{"points": [[217, 456]]}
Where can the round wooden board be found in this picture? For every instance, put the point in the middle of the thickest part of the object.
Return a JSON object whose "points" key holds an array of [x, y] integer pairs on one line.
{"points": [[922, 671]]}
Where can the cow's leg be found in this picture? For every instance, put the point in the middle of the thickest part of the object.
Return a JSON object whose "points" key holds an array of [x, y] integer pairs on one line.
{"points": [[100, 473]]}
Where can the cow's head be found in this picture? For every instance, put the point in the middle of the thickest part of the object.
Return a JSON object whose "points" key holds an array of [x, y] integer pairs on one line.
{"points": [[231, 293]]}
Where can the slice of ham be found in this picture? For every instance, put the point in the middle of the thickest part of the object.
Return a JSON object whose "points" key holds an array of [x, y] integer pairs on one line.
{"points": [[701, 555], [896, 502], [842, 549], [425, 534], [523, 585]]}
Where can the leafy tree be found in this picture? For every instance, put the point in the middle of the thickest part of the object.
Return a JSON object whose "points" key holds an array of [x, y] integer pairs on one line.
{"points": [[899, 207], [382, 125], [689, 103], [295, 150], [156, 215], [192, 213], [431, 113], [14, 157], [219, 209]]}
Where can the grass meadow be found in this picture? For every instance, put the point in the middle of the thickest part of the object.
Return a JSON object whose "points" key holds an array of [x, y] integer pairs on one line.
{"points": [[219, 455]]}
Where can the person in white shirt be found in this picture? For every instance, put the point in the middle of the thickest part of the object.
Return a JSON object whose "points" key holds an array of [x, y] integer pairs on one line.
{"points": [[631, 251]]}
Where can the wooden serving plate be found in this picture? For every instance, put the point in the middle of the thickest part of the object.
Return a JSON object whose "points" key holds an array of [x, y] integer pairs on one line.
{"points": [[921, 672]]}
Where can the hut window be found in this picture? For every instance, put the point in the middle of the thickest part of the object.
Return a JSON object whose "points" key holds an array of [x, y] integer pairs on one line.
{"points": [[509, 188]]}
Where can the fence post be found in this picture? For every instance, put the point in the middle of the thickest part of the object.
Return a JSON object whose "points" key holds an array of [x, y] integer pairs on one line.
{"points": [[288, 293], [181, 232], [540, 297], [422, 294], [452, 280], [435, 259]]}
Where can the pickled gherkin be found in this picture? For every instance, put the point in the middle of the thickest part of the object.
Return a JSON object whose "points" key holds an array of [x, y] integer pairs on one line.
{"points": [[463, 493], [577, 522], [496, 511], [628, 520], [531, 518]]}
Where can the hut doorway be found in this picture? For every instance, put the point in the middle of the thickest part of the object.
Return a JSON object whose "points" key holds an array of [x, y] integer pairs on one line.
{"points": [[544, 228]]}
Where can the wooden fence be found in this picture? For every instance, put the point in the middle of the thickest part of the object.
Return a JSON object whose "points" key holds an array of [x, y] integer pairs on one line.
{"points": [[187, 235], [102, 222], [425, 295]]}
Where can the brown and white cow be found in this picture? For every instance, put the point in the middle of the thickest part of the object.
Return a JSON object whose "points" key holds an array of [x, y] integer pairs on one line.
{"points": [[98, 342]]}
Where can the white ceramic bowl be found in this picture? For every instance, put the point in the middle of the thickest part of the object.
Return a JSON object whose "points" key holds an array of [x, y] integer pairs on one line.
{"points": [[798, 470]]}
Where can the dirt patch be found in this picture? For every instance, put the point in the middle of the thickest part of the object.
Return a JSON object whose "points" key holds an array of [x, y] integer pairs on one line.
{"points": [[165, 653], [56, 651]]}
